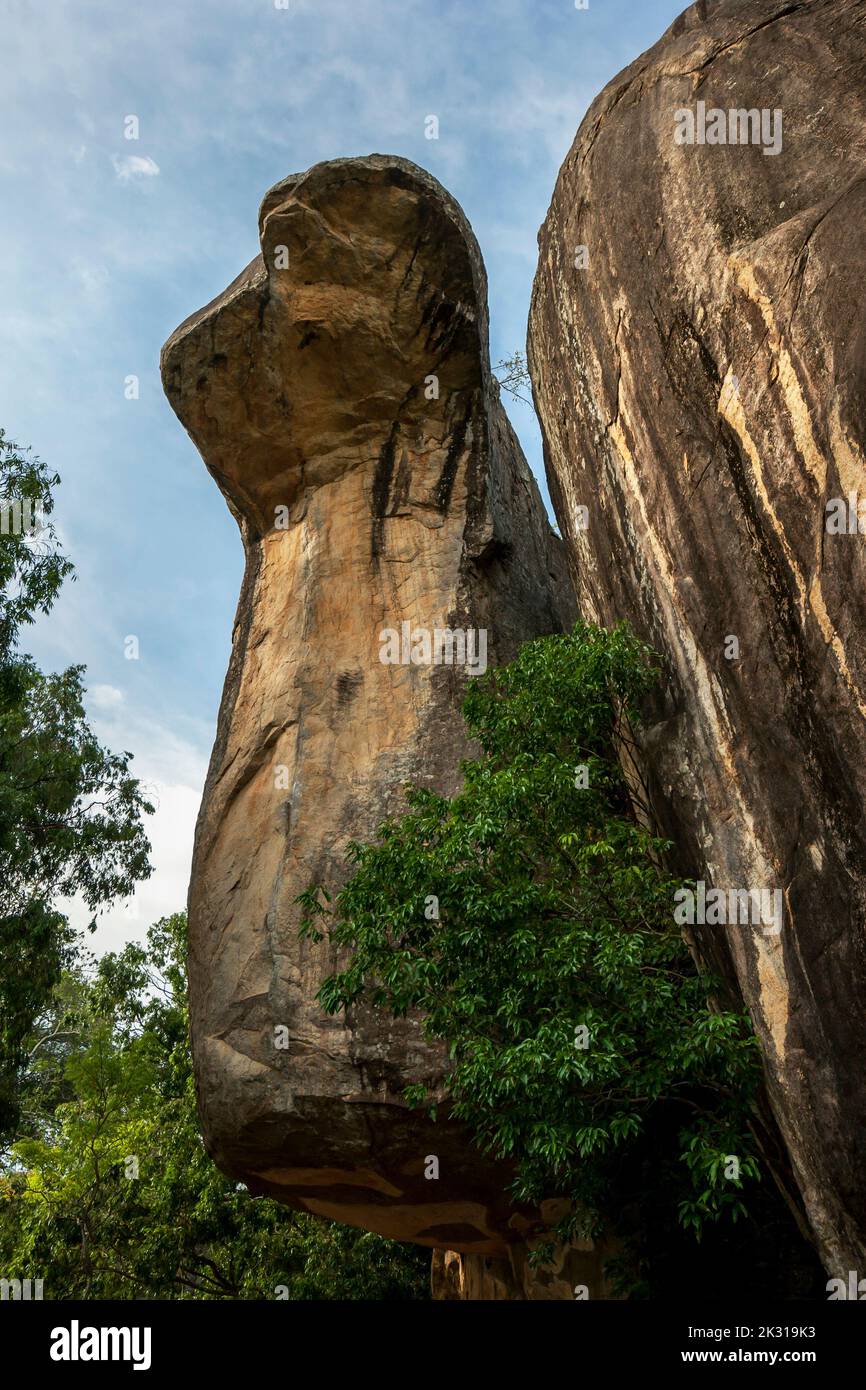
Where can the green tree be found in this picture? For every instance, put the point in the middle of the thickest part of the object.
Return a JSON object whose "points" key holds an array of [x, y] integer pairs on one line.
{"points": [[70, 812], [109, 1193], [530, 919]]}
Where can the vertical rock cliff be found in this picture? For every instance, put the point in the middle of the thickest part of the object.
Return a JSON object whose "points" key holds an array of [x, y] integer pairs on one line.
{"points": [[697, 347], [340, 394]]}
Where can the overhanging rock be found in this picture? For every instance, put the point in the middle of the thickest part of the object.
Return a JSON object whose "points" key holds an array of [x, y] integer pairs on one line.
{"points": [[340, 394]]}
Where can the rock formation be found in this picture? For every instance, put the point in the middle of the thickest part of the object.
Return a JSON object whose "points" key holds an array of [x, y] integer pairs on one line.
{"points": [[576, 1271], [698, 349], [340, 394]]}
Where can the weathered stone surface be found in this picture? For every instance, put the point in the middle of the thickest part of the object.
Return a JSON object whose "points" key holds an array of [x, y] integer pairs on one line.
{"points": [[577, 1271], [706, 507], [305, 387]]}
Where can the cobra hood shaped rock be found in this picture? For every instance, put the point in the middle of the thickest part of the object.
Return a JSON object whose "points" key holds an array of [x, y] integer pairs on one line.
{"points": [[340, 394]]}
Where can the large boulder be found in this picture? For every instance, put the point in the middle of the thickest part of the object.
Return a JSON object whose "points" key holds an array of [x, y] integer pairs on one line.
{"points": [[340, 394], [698, 348]]}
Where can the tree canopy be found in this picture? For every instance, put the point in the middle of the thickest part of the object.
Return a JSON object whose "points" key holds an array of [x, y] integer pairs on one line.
{"points": [[530, 919], [70, 811], [108, 1192]]}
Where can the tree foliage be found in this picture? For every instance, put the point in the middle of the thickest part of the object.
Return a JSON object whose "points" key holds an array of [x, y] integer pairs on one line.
{"points": [[108, 1192], [70, 811], [530, 919]]}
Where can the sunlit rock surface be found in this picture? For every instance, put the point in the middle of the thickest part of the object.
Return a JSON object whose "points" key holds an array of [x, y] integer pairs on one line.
{"points": [[340, 394], [697, 347]]}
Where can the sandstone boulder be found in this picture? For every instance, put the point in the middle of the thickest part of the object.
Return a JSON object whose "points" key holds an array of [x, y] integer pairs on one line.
{"points": [[340, 394], [698, 348]]}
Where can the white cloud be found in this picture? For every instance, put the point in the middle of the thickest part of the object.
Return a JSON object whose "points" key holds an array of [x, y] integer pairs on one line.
{"points": [[170, 830], [134, 167], [105, 696], [93, 279], [175, 795]]}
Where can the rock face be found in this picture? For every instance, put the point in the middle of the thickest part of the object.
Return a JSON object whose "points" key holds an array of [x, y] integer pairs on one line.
{"points": [[700, 370], [576, 1272], [340, 394]]}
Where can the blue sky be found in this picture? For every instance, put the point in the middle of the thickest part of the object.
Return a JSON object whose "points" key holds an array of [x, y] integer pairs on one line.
{"points": [[106, 244]]}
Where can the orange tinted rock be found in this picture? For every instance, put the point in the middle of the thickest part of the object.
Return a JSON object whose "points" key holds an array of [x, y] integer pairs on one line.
{"points": [[340, 393]]}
